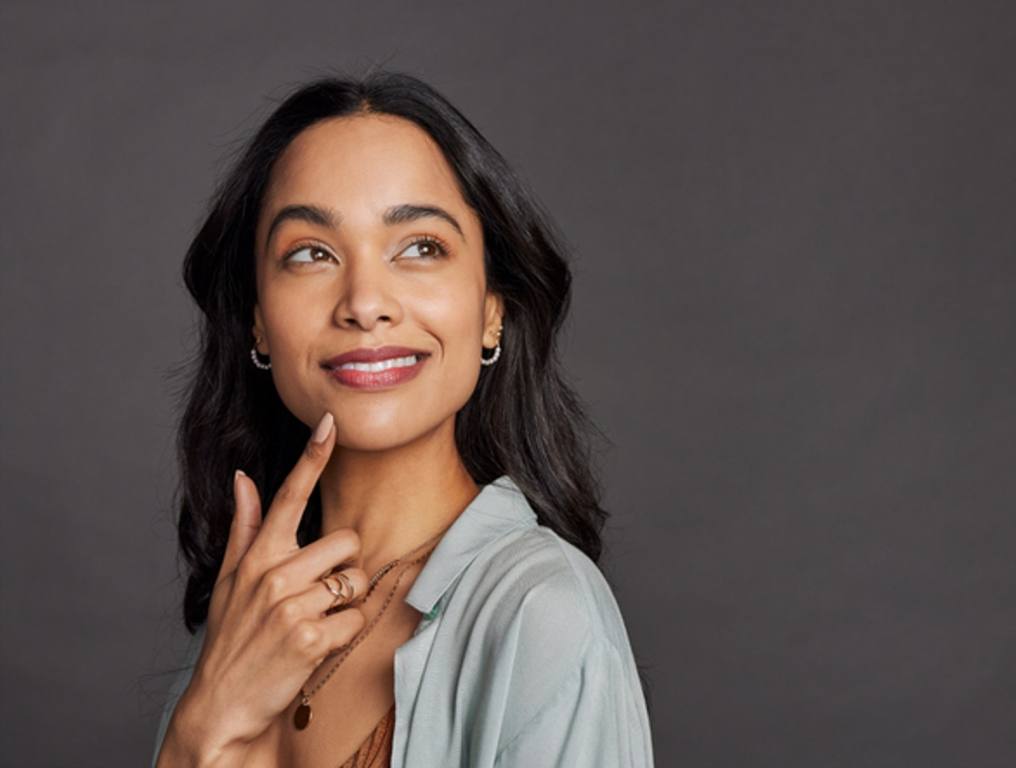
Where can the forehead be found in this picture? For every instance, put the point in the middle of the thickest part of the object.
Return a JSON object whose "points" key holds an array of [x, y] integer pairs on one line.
{"points": [[361, 165]]}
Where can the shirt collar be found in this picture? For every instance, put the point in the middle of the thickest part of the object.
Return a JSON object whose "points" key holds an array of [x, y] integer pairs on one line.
{"points": [[498, 508]]}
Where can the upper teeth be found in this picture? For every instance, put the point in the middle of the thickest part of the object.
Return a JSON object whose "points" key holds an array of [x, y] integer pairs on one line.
{"points": [[381, 365]]}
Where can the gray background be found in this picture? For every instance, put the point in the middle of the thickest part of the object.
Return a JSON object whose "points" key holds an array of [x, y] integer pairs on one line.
{"points": [[794, 231]]}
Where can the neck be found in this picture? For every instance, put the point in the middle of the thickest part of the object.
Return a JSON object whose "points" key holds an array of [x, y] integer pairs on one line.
{"points": [[395, 499]]}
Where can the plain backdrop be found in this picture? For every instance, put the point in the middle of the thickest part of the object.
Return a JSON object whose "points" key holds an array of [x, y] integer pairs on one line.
{"points": [[793, 233]]}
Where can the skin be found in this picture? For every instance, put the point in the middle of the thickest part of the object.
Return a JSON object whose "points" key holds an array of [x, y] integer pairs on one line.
{"points": [[395, 475]]}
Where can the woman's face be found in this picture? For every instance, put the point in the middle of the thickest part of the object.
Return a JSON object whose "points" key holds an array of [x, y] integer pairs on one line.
{"points": [[353, 252]]}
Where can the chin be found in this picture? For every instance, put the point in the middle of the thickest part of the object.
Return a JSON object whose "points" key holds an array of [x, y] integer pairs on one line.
{"points": [[378, 435]]}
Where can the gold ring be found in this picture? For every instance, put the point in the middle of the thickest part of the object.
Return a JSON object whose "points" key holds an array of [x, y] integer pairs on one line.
{"points": [[345, 591]]}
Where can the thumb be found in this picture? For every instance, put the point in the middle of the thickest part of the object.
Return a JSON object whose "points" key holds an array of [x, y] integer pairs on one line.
{"points": [[246, 522]]}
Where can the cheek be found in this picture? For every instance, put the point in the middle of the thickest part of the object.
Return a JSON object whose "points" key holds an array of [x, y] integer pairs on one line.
{"points": [[456, 325], [294, 327], [292, 313], [458, 330], [453, 381]]}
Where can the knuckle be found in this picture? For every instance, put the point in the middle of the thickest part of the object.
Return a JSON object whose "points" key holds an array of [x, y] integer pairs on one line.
{"points": [[274, 583], [306, 638]]}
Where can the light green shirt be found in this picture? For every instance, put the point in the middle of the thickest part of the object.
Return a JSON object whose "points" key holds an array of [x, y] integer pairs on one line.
{"points": [[522, 657]]}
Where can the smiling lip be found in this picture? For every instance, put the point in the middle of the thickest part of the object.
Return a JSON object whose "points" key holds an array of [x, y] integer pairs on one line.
{"points": [[382, 379], [368, 355]]}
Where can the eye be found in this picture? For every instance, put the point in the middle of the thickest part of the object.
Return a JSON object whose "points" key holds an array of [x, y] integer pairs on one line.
{"points": [[310, 249], [431, 247]]}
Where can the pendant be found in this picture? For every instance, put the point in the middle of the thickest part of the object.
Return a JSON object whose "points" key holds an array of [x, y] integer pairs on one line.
{"points": [[301, 718]]}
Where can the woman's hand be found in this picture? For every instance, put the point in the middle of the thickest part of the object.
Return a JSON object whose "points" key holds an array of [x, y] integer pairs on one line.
{"points": [[267, 628]]}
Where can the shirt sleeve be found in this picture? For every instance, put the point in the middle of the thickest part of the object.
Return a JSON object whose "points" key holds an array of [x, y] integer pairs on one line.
{"points": [[596, 719], [176, 689]]}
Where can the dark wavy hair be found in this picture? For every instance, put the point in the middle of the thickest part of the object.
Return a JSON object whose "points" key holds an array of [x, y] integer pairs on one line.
{"points": [[522, 419]]}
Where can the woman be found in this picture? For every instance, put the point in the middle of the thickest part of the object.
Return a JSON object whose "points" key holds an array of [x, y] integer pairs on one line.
{"points": [[381, 299]]}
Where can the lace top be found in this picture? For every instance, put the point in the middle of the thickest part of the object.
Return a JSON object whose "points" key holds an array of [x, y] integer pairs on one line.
{"points": [[376, 749]]}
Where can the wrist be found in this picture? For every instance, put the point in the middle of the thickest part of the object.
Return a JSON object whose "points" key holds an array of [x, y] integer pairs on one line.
{"points": [[190, 741]]}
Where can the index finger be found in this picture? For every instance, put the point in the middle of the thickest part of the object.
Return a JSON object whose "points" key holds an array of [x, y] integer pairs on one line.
{"points": [[278, 530]]}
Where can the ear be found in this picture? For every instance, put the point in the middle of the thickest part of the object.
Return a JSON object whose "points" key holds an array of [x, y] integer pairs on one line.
{"points": [[493, 317], [259, 331]]}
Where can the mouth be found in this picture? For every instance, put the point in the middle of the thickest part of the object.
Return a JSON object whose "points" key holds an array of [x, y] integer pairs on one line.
{"points": [[382, 372]]}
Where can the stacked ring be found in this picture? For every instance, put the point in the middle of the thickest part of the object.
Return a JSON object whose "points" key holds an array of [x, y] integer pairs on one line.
{"points": [[345, 591]]}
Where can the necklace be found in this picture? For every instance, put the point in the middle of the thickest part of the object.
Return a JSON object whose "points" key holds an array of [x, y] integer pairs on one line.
{"points": [[302, 715]]}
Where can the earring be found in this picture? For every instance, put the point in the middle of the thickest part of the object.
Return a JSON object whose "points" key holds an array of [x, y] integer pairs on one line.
{"points": [[497, 352], [254, 357]]}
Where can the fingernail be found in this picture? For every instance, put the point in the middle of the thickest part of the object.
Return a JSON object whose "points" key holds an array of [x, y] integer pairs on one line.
{"points": [[323, 428]]}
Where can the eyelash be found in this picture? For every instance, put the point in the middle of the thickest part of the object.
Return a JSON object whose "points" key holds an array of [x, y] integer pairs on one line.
{"points": [[440, 244]]}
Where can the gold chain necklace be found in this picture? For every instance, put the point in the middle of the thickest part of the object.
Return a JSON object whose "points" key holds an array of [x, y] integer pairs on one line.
{"points": [[302, 715]]}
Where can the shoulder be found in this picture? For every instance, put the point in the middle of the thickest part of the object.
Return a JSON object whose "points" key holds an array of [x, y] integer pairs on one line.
{"points": [[552, 634], [546, 597]]}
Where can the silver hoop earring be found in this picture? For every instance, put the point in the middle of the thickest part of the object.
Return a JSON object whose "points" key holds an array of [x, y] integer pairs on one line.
{"points": [[258, 363], [493, 358], [497, 352]]}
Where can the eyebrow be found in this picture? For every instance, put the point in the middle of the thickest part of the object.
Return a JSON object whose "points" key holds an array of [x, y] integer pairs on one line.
{"points": [[326, 217]]}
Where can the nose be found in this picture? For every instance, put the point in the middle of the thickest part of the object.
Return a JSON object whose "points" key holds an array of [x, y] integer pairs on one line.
{"points": [[368, 295]]}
